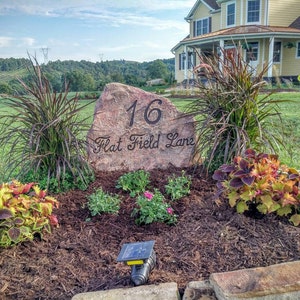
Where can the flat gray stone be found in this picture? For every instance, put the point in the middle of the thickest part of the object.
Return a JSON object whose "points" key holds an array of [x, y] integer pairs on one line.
{"points": [[276, 282], [163, 291]]}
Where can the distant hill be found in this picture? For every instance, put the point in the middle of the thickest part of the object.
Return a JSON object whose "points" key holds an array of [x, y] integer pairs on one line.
{"points": [[86, 75]]}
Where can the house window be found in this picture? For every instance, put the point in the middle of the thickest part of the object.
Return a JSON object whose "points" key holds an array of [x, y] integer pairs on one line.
{"points": [[182, 57], [277, 52], [252, 52], [202, 26], [298, 50], [231, 14], [253, 11]]}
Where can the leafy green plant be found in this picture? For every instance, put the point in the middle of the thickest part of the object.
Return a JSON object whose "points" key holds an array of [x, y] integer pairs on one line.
{"points": [[65, 183], [134, 182], [25, 210], [260, 180], [100, 202], [230, 113], [42, 133], [152, 207], [178, 186]]}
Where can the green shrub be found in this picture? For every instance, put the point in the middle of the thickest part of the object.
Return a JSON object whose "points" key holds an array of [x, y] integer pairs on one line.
{"points": [[230, 114], [178, 186], [42, 133], [134, 182], [152, 207], [260, 181], [25, 210], [100, 202]]}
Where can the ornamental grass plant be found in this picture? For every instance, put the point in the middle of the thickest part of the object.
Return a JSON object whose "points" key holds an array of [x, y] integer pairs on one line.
{"points": [[41, 132], [231, 114]]}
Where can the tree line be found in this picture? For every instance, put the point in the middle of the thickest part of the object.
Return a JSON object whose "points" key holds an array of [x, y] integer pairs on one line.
{"points": [[85, 75]]}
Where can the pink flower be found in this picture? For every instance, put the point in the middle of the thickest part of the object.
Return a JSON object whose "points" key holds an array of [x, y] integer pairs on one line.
{"points": [[148, 195], [170, 210]]}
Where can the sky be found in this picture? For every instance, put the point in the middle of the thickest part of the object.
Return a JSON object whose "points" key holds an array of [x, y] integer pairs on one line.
{"points": [[92, 30]]}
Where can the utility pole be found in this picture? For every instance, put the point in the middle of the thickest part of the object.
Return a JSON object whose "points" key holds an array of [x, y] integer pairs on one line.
{"points": [[101, 56], [45, 53]]}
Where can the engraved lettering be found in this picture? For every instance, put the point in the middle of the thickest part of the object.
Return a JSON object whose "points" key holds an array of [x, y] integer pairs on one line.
{"points": [[104, 143], [179, 142], [138, 141]]}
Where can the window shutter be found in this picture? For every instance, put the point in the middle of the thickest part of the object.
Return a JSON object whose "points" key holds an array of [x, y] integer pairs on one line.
{"points": [[180, 61], [209, 24], [194, 29]]}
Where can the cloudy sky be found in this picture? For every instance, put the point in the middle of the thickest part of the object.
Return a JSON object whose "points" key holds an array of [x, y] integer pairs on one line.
{"points": [[94, 30]]}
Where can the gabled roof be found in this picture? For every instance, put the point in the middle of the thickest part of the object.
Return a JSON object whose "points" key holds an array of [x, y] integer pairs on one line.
{"points": [[296, 23], [211, 4]]}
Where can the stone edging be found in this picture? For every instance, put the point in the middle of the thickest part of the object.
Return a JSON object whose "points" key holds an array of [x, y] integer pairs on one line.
{"points": [[275, 282]]}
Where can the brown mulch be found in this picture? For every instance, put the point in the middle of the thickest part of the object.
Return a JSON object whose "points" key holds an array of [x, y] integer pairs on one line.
{"points": [[80, 255]]}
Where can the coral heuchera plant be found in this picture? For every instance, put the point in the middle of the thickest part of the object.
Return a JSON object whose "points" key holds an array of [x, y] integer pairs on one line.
{"points": [[260, 180], [25, 210]]}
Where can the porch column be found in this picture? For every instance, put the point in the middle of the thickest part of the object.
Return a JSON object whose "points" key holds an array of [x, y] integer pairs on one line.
{"points": [[221, 53], [185, 62], [271, 51]]}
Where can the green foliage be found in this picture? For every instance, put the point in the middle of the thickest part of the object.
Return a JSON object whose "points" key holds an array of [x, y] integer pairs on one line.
{"points": [[134, 182], [25, 210], [53, 185], [157, 69], [5, 88], [100, 202], [80, 81], [153, 208], [42, 132], [230, 114], [87, 74], [260, 180], [178, 187]]}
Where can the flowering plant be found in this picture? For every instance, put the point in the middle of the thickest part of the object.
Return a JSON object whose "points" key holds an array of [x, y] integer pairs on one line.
{"points": [[260, 180], [152, 207], [25, 210]]}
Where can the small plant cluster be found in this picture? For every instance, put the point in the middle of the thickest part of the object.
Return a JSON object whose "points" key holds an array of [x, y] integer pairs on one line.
{"points": [[153, 207], [25, 210], [150, 206], [134, 182], [100, 202], [260, 180]]}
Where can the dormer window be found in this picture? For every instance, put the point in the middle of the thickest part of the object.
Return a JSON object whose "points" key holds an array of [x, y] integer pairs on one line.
{"points": [[253, 7], [230, 14], [202, 26]]}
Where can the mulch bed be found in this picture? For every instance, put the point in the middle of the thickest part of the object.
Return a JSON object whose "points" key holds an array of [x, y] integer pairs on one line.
{"points": [[80, 255]]}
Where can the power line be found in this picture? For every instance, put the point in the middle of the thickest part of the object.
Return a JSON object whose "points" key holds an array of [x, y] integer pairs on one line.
{"points": [[45, 51]]}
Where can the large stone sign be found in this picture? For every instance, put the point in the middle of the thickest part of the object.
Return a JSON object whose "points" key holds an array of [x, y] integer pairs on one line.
{"points": [[134, 129]]}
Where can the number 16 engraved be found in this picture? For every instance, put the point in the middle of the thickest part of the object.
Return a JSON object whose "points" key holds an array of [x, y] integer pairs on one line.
{"points": [[156, 112]]}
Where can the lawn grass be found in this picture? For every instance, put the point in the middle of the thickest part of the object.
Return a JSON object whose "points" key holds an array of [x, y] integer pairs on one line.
{"points": [[289, 113]]}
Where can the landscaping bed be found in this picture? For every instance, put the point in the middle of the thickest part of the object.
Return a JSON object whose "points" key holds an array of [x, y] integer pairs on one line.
{"points": [[80, 255]]}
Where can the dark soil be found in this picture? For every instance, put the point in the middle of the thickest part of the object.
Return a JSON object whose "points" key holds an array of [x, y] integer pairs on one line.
{"points": [[80, 255]]}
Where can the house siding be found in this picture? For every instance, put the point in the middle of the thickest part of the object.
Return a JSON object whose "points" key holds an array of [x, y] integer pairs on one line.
{"points": [[289, 67], [283, 12]]}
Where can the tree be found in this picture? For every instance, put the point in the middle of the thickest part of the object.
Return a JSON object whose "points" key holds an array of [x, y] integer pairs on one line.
{"points": [[80, 81], [157, 69]]}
